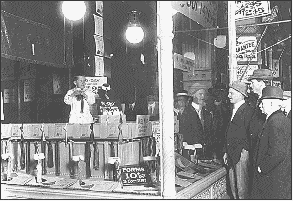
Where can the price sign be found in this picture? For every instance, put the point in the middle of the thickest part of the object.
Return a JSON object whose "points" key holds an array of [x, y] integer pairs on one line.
{"points": [[133, 175], [93, 83]]}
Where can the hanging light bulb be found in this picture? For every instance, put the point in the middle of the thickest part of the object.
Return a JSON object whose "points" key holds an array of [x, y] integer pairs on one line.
{"points": [[134, 33], [73, 10]]}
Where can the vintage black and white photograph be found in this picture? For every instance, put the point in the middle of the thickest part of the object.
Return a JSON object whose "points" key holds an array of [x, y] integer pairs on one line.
{"points": [[146, 100]]}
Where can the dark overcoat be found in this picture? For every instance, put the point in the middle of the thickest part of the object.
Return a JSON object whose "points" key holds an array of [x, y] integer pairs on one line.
{"points": [[237, 135], [190, 126], [274, 158]]}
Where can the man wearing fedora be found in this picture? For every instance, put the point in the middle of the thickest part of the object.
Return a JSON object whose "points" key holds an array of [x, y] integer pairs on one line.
{"points": [[189, 122], [273, 158], [236, 149], [258, 81]]}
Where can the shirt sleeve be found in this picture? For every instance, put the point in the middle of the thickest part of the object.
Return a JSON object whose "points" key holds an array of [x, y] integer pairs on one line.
{"points": [[67, 98]]}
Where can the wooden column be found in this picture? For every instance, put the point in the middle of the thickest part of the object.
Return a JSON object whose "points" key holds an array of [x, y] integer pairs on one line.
{"points": [[232, 42], [165, 64]]}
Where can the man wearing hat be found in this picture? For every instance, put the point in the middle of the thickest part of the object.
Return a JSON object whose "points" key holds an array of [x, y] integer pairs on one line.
{"points": [[258, 81], [236, 148], [273, 158], [189, 123]]}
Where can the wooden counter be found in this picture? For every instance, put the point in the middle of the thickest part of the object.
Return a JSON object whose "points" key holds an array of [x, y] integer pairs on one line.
{"points": [[211, 187]]}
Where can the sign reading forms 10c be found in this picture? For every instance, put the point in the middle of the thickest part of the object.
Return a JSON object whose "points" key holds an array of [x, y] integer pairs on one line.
{"points": [[133, 175]]}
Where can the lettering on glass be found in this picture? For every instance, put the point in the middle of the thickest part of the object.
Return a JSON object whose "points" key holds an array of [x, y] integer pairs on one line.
{"points": [[249, 9]]}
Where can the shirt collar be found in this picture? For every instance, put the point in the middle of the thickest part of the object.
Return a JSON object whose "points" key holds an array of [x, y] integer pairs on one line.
{"points": [[237, 105]]}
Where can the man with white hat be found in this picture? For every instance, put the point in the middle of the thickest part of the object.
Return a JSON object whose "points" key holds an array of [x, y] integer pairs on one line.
{"points": [[273, 157], [189, 123], [236, 148]]}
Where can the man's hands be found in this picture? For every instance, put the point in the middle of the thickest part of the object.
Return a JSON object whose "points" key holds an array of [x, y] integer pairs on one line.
{"points": [[79, 92], [75, 93]]}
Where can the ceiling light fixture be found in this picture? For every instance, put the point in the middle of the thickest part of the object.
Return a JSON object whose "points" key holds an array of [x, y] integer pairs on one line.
{"points": [[73, 10], [134, 33]]}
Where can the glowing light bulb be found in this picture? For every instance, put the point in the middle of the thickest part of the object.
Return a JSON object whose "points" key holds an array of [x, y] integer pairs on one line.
{"points": [[134, 34], [73, 10]]}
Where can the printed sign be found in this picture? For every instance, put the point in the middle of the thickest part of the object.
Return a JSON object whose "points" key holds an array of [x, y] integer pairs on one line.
{"points": [[277, 83], [99, 66], [276, 68], [249, 9], [142, 122], [98, 25], [99, 45], [56, 84], [93, 83], [197, 75], [249, 71], [99, 7], [29, 90], [203, 12], [8, 96], [133, 175], [183, 63], [244, 48]]}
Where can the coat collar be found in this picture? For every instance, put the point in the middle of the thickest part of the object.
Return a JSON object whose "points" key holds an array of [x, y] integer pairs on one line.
{"points": [[276, 112]]}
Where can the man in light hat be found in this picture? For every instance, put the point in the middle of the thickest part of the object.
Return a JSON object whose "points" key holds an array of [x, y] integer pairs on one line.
{"points": [[189, 123], [236, 148], [273, 157]]}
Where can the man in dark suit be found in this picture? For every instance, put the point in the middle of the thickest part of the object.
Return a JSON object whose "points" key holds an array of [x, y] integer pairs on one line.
{"points": [[236, 149], [189, 123], [273, 158]]}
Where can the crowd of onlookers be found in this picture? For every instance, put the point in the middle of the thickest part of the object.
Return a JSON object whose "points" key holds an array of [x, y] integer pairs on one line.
{"points": [[247, 125]]}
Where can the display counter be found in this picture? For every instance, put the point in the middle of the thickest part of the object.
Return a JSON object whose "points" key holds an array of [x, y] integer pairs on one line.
{"points": [[77, 165]]}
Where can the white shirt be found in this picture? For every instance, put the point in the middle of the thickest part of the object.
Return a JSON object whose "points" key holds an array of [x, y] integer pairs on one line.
{"points": [[75, 115], [2, 111], [197, 108], [236, 107]]}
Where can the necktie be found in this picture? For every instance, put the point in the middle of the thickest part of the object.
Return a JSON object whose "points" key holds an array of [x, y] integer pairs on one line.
{"points": [[82, 104]]}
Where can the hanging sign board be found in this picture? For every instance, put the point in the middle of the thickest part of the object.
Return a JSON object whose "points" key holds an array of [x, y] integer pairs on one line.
{"points": [[8, 96], [244, 47], [29, 90], [241, 70], [93, 83], [99, 66], [183, 63], [197, 75], [98, 25], [99, 45], [249, 9], [99, 8], [133, 175], [276, 68], [203, 12]]}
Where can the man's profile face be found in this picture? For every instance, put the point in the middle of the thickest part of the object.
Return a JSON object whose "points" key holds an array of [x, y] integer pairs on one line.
{"points": [[234, 96], [199, 96], [255, 85]]}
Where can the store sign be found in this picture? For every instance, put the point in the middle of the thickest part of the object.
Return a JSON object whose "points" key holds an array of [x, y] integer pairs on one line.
{"points": [[276, 68], [203, 12], [245, 46], [197, 75], [133, 175], [93, 83], [241, 70], [142, 122], [277, 84], [183, 63], [249, 9], [29, 89]]}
